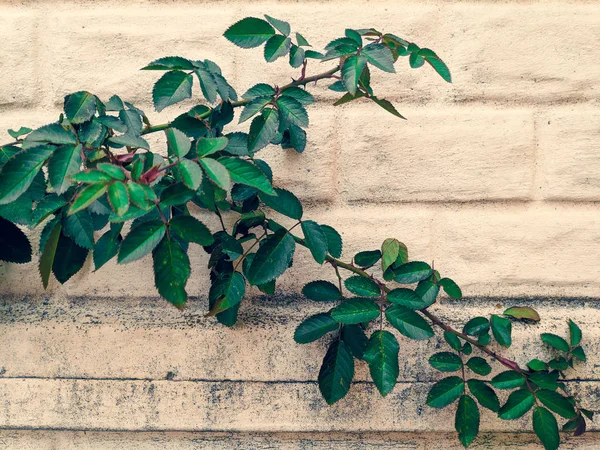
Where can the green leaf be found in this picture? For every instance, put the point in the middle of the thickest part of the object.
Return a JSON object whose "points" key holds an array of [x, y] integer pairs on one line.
{"points": [[408, 322], [355, 339], [579, 353], [380, 56], [367, 258], [272, 258], [208, 84], [315, 240], [217, 172], [176, 194], [428, 291], [451, 288], [280, 25], [19, 172], [80, 228], [138, 196], [255, 106], [336, 372], [276, 47], [452, 340], [259, 90], [438, 65], [446, 362], [508, 380], [14, 245], [301, 95], [86, 197], [71, 259], [249, 32], [381, 354], [522, 312], [502, 329], [106, 248], [388, 106], [537, 365], [347, 97], [245, 172], [545, 380], [302, 41], [178, 143], [575, 333], [363, 287], [556, 402], [314, 328], [476, 326], [445, 391], [518, 403], [334, 241], [191, 229], [292, 111], [321, 291], [416, 61], [412, 272], [118, 197], [390, 250], [484, 394], [130, 140], [170, 63], [479, 366], [48, 253], [355, 310], [64, 162], [546, 428], [115, 172], [171, 270], [21, 131], [80, 107], [171, 88], [190, 173], [226, 293], [555, 341], [351, 70], [53, 133], [284, 202], [238, 144], [141, 240], [466, 420]]}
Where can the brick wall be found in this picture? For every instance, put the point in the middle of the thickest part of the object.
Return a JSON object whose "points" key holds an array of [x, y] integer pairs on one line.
{"points": [[494, 177]]}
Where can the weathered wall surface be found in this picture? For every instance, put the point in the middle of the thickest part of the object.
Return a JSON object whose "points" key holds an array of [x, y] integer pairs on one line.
{"points": [[494, 177]]}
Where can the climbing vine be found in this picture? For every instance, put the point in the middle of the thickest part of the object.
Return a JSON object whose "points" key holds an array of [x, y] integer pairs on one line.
{"points": [[92, 171]]}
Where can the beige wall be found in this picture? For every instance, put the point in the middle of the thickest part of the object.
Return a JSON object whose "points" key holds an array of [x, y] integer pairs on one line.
{"points": [[494, 177]]}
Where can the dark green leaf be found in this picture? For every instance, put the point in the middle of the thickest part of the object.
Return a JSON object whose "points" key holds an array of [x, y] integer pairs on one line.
{"points": [[416, 61], [314, 328], [476, 326], [171, 88], [80, 107], [14, 245], [351, 70], [49, 134], [129, 140], [484, 394], [355, 339], [48, 251], [479, 365], [575, 333], [315, 239], [249, 32], [537, 365], [86, 197], [367, 258], [508, 380], [546, 428], [412, 272], [20, 132], [170, 63], [451, 288], [452, 340], [354, 35], [255, 106], [20, 171], [439, 66], [276, 47], [245, 172], [217, 172], [259, 90], [70, 260], [334, 241], [272, 258], [171, 270], [292, 111], [446, 362], [141, 240], [347, 97], [106, 248], [407, 298], [381, 354], [466, 420], [238, 144], [176, 194], [518, 403], [226, 293], [301, 95], [178, 143], [579, 353], [355, 310], [80, 228], [502, 329], [428, 291], [64, 162], [556, 402], [191, 230], [545, 380], [336, 372], [284, 202], [387, 105], [408, 322], [363, 287], [380, 56], [321, 291], [445, 391], [555, 341], [190, 173]]}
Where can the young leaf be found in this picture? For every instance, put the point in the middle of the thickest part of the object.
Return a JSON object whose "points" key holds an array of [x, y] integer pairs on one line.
{"points": [[412, 272], [336, 372], [466, 420], [575, 333], [484, 394], [451, 288], [555, 341], [355, 310], [48, 253], [272, 258], [118, 197], [65, 162], [390, 250], [334, 241], [14, 245], [19, 172], [445, 391], [249, 32], [141, 240], [178, 143], [226, 292], [508, 380], [518, 403], [351, 70], [321, 291], [363, 287], [113, 171], [245, 172], [315, 240], [191, 229], [217, 172], [71, 259], [522, 312], [86, 197], [284, 202], [315, 327], [479, 366], [556, 402], [171, 270], [80, 107], [381, 354], [380, 56], [276, 47], [546, 428], [408, 322], [446, 362], [367, 258], [502, 329], [171, 88]]}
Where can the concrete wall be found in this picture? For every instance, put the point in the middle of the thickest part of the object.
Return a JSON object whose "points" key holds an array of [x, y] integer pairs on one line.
{"points": [[494, 177]]}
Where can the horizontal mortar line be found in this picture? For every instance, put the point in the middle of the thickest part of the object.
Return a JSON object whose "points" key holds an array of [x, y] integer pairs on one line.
{"points": [[247, 381], [471, 202]]}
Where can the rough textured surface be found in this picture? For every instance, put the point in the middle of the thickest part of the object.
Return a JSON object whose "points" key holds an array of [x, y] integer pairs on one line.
{"points": [[493, 177]]}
